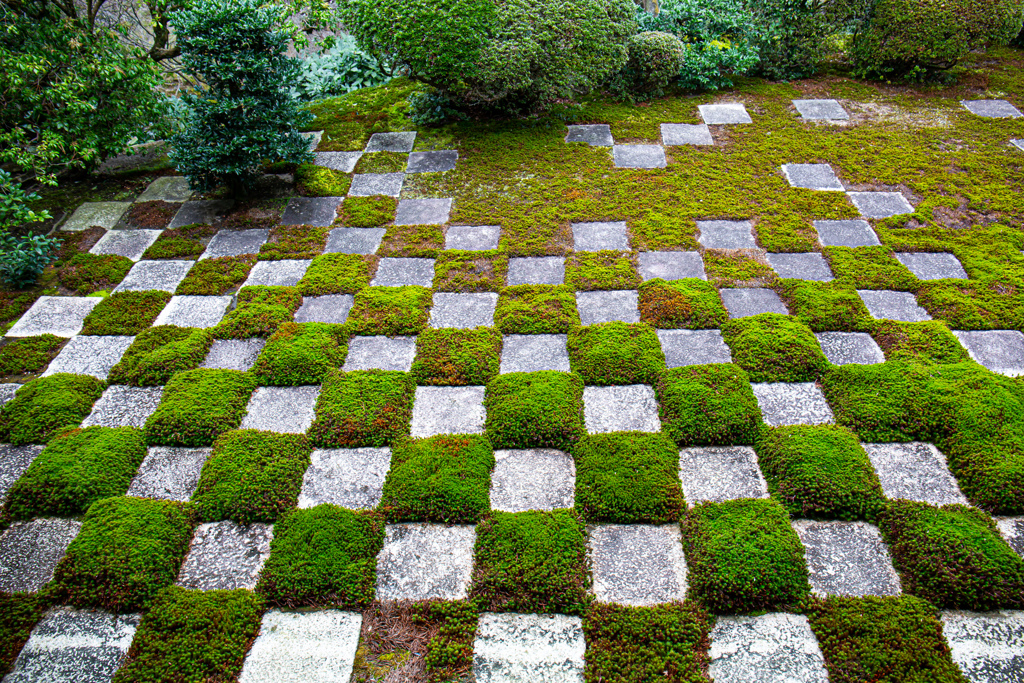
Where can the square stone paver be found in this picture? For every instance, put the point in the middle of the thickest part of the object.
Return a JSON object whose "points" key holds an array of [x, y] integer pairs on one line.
{"points": [[437, 161], [599, 236], [743, 302], [880, 204], [314, 137], [626, 408], [398, 272], [123, 406], [512, 648], [296, 647], [534, 479], [14, 460], [30, 551], [330, 308], [638, 564], [58, 315], [675, 134], [233, 354], [206, 211], [350, 477], [914, 471], [380, 353], [354, 240], [75, 646], [1019, 144], [164, 276], [932, 266], [194, 311], [171, 188], [320, 211], [847, 559], [236, 242], [992, 109], [372, 184], [639, 156], [96, 214], [7, 391], [693, 347], [226, 556], [724, 114], [89, 356], [807, 266], [423, 211], [726, 235], [988, 647], [855, 233], [391, 142], [606, 306], [1012, 531], [821, 110], [671, 265], [719, 473], [337, 161], [850, 348], [425, 561], [800, 403], [472, 237], [885, 305], [284, 273], [128, 243], [1000, 351], [285, 410], [448, 410], [595, 135], [534, 353], [464, 311], [169, 473], [770, 648], [536, 270], [819, 177]]}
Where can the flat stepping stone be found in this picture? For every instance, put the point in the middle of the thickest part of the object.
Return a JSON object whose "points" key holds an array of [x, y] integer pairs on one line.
{"points": [[639, 156], [391, 142], [354, 240], [932, 266], [93, 356], [285, 410], [170, 188], [425, 561], [693, 347], [330, 308], [1019, 144], [770, 648], [799, 403], [536, 270], [744, 302], [372, 184], [194, 311], [600, 236], [886, 305], [1000, 351], [337, 161], [807, 266], [296, 647], [534, 353], [314, 137], [534, 479], [726, 235], [398, 272], [423, 211], [1012, 530], [350, 477], [318, 211], [123, 406], [233, 354], [380, 353], [847, 559], [7, 391], [463, 311], [284, 273], [207, 212], [855, 233], [638, 564], [226, 556], [75, 646], [714, 474], [914, 471], [58, 315], [594, 134], [821, 110], [448, 410], [850, 348], [169, 473], [819, 177], [992, 109], [164, 276], [880, 204], [236, 242], [511, 648], [437, 161], [671, 265], [30, 551], [724, 114], [988, 647], [14, 460], [678, 134], [96, 215], [472, 237], [606, 306], [626, 408], [128, 243]]}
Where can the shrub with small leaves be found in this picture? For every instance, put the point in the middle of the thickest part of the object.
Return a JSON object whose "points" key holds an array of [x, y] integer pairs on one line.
{"points": [[301, 354], [615, 353]]}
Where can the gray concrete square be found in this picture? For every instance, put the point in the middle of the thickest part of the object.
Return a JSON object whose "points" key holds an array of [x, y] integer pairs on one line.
{"points": [[914, 471], [14, 460], [726, 235], [850, 348], [671, 265], [194, 311], [988, 647], [169, 188], [885, 305], [880, 204], [744, 302], [284, 273], [124, 406], [226, 556], [463, 311], [693, 347], [724, 114], [534, 353], [128, 243], [600, 236], [350, 477], [638, 564], [932, 266], [96, 214], [534, 479], [169, 473], [676, 134], [296, 647], [448, 410], [319, 211], [423, 211], [233, 354], [821, 110], [819, 177], [606, 306], [164, 276], [855, 233], [626, 408], [437, 161], [536, 270], [7, 391], [1012, 531], [719, 473], [354, 240], [472, 237], [30, 551], [398, 272], [807, 266], [236, 242], [425, 561], [992, 109], [800, 403], [93, 356], [594, 134], [391, 142], [380, 353], [330, 308], [285, 410], [770, 648], [373, 184], [337, 161], [1000, 351], [207, 211], [58, 315], [639, 156], [513, 648], [847, 559]]}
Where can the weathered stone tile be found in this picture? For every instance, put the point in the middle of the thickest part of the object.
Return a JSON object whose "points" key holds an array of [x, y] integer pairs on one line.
{"points": [[123, 406], [855, 233], [7, 391], [627, 408], [391, 142], [169, 188], [423, 211], [886, 305], [350, 477], [850, 348], [929, 266], [14, 460], [808, 266], [208, 212], [821, 110], [639, 156], [743, 302], [1012, 530], [338, 161], [448, 410], [58, 315], [464, 311], [398, 272], [812, 177], [320, 211], [534, 479], [671, 265], [988, 647], [425, 561], [380, 353], [296, 647], [354, 240], [285, 410], [372, 184], [693, 347], [285, 273], [510, 648], [914, 471], [236, 242], [89, 356], [30, 551], [992, 109], [880, 204], [314, 137], [437, 161], [724, 114], [847, 559], [330, 308], [534, 353], [194, 311], [1000, 351], [595, 135], [600, 236], [675, 134], [770, 648], [536, 270], [638, 564], [606, 306], [801, 403], [1019, 144], [96, 214], [719, 473], [164, 276], [472, 237], [233, 354], [726, 235], [128, 243], [169, 473], [226, 556]]}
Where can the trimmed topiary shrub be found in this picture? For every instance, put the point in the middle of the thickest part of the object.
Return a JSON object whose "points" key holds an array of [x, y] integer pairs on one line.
{"points": [[535, 410], [774, 348], [655, 60], [368, 212], [924, 342], [160, 352], [301, 353], [826, 306], [708, 405], [390, 310], [455, 357], [29, 355], [335, 274], [615, 353], [260, 311], [48, 406], [125, 313], [596, 270], [536, 309], [216, 276], [199, 405], [87, 273], [365, 408], [690, 303]]}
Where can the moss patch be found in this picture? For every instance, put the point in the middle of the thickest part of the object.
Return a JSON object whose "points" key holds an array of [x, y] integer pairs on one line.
{"points": [[260, 311], [29, 355], [301, 354], [125, 313], [160, 352], [412, 241], [774, 348], [470, 271], [198, 405], [186, 242], [974, 305], [615, 353], [923, 342], [318, 181], [660, 232], [48, 406], [382, 162], [690, 303], [365, 408], [870, 268], [826, 306], [19, 613], [216, 276], [738, 268], [535, 410], [390, 310], [593, 270], [453, 357], [708, 405], [294, 242], [536, 309], [368, 212], [87, 273], [335, 274]]}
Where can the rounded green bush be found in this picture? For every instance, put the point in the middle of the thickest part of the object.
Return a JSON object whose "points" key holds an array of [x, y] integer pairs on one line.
{"points": [[654, 59]]}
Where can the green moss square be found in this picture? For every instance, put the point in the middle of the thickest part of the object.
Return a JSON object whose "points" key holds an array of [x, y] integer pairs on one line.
{"points": [[294, 242], [531, 562], [382, 162], [708, 405], [325, 556], [160, 352], [593, 270], [128, 549], [318, 181], [826, 306], [390, 310], [690, 303], [87, 273], [970, 305], [470, 271], [923, 342], [615, 353], [335, 274], [535, 410], [199, 405], [216, 276], [186, 242], [125, 313], [882, 403], [870, 268], [628, 478], [743, 556], [412, 241], [445, 478], [29, 355], [659, 232], [536, 309], [738, 268], [368, 212], [774, 348], [47, 406], [368, 408], [301, 354], [260, 311], [454, 357], [77, 469]]}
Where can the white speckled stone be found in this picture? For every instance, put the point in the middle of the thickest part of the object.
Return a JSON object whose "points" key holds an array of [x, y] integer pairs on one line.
{"points": [[124, 406], [380, 353], [675, 134], [808, 266], [338, 161], [318, 211], [58, 315], [236, 242], [693, 347], [350, 477], [233, 354], [726, 235], [96, 214], [626, 408], [169, 473], [850, 348], [93, 356], [30, 551], [638, 564], [7, 391], [535, 479], [914, 471], [821, 110], [932, 266], [298, 647], [744, 302], [724, 114], [128, 243], [880, 204], [600, 236], [14, 460], [988, 647], [463, 310], [855, 233], [992, 109], [226, 556], [194, 311], [719, 473], [284, 273], [425, 561], [423, 211], [534, 353], [330, 308], [886, 305], [1000, 351], [164, 276], [515, 648], [436, 161], [206, 211], [819, 177], [771, 648], [391, 142], [398, 272], [536, 270], [372, 184], [285, 410], [847, 558], [800, 403], [354, 240], [448, 410], [671, 265], [472, 237], [1012, 530], [606, 306], [639, 156], [171, 188]]}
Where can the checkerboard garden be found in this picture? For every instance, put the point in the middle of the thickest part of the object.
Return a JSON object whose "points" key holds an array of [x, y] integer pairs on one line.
{"points": [[712, 389]]}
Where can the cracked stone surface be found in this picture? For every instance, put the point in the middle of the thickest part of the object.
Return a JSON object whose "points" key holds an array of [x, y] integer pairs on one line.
{"points": [[338, 161], [96, 214], [638, 564], [463, 310], [14, 460], [398, 272], [639, 156], [284, 273], [391, 142], [1000, 351], [380, 353], [30, 551], [988, 647], [992, 109], [296, 647], [536, 270], [800, 403], [625, 408], [58, 315], [285, 410], [350, 477], [533, 479], [932, 266], [89, 356], [743, 302], [886, 305], [676, 134], [726, 235], [330, 308], [226, 556], [123, 406], [847, 558], [171, 188], [807, 266], [437, 161], [770, 648], [693, 347], [354, 240], [423, 211], [606, 306], [600, 236], [880, 204], [914, 471], [1012, 530], [671, 265], [169, 473], [194, 311], [855, 233], [236, 242], [850, 348], [207, 211], [724, 114], [595, 135], [534, 353], [510, 648], [128, 243], [319, 211], [472, 237], [448, 410], [812, 177], [372, 184], [425, 561], [821, 110], [164, 276], [719, 473], [233, 354]]}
